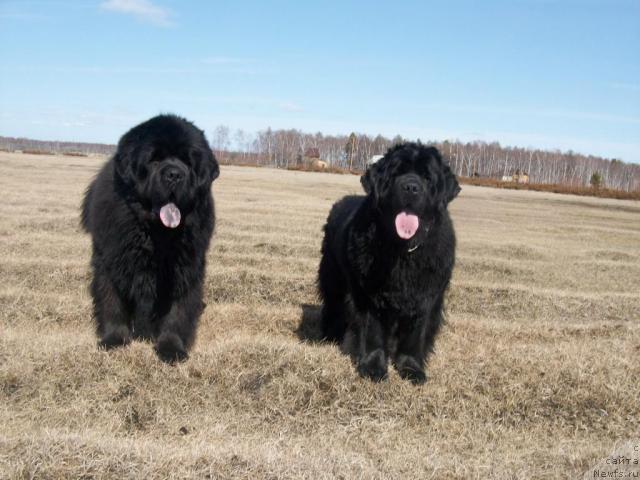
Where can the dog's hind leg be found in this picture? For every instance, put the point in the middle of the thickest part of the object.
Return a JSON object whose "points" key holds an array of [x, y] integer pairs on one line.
{"points": [[332, 289]]}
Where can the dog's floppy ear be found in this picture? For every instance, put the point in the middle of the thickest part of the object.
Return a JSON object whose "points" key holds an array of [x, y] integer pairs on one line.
{"points": [[366, 180], [129, 154], [206, 165], [450, 187], [124, 165], [214, 168], [372, 180]]}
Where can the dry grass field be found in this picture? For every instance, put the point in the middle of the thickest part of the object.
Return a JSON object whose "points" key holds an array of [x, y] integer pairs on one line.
{"points": [[536, 374]]}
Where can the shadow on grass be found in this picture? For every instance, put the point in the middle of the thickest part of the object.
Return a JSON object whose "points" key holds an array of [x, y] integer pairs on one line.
{"points": [[309, 329]]}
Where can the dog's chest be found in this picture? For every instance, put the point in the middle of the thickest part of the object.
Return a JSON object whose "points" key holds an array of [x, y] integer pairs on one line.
{"points": [[164, 258], [399, 284], [404, 285]]}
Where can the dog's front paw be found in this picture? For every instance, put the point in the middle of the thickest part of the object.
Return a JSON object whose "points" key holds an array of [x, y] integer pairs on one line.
{"points": [[170, 348], [373, 366], [411, 370], [118, 337]]}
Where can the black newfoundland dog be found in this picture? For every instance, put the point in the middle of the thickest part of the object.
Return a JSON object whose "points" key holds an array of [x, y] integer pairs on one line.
{"points": [[386, 262], [150, 214]]}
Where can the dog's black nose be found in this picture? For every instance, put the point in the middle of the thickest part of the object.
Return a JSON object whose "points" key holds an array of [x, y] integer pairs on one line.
{"points": [[173, 175], [411, 187]]}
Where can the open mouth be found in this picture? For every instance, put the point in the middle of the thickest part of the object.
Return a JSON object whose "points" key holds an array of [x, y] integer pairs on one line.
{"points": [[407, 225]]}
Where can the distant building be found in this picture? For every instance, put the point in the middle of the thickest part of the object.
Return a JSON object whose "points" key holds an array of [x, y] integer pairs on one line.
{"points": [[518, 177], [316, 164], [521, 177], [311, 159], [312, 153]]}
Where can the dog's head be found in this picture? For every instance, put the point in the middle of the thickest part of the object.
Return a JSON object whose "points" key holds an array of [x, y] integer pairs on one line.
{"points": [[165, 163], [410, 188]]}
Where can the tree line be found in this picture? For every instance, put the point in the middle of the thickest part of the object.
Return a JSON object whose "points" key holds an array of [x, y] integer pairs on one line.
{"points": [[285, 148], [13, 144]]}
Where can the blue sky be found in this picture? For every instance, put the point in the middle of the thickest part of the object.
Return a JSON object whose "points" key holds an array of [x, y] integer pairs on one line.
{"points": [[535, 73]]}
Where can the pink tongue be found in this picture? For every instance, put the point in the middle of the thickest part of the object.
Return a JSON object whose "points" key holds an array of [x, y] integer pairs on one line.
{"points": [[170, 215], [406, 225]]}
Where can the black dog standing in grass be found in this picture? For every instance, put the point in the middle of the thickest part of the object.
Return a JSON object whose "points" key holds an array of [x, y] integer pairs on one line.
{"points": [[387, 259], [150, 214]]}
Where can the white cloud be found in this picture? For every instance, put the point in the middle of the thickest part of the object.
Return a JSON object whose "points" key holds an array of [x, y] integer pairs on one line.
{"points": [[290, 107], [143, 9]]}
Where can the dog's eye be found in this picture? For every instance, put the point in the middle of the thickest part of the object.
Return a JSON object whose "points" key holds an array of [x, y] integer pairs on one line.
{"points": [[151, 154]]}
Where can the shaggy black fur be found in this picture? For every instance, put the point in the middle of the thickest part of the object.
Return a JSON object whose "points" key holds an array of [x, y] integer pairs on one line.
{"points": [[383, 295], [147, 278]]}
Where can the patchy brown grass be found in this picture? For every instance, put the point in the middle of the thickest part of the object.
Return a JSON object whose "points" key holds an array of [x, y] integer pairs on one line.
{"points": [[553, 188], [535, 375]]}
